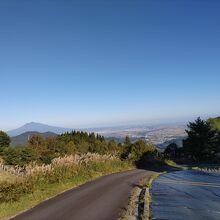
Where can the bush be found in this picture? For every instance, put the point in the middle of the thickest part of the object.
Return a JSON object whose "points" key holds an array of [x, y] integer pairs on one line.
{"points": [[4, 140], [150, 158], [19, 156], [136, 150], [12, 191]]}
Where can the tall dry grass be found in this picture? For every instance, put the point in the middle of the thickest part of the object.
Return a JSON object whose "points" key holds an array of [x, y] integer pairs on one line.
{"points": [[67, 161], [73, 167]]}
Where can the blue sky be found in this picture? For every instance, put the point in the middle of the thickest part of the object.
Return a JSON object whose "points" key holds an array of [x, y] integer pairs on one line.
{"points": [[92, 63]]}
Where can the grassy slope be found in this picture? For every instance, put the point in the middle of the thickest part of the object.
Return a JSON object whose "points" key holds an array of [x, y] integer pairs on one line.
{"points": [[46, 191], [5, 176]]}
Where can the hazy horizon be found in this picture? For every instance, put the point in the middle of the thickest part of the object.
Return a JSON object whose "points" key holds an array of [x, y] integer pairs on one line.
{"points": [[108, 63], [155, 122]]}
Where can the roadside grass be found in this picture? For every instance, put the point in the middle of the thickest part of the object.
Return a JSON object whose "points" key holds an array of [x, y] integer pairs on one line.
{"points": [[7, 177], [209, 170], [45, 189], [148, 210], [170, 162]]}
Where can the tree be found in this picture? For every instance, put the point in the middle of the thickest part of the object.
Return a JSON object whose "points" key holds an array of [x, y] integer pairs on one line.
{"points": [[36, 141], [112, 147], [4, 140], [171, 150], [137, 149], [127, 141], [200, 144], [70, 148], [19, 155]]}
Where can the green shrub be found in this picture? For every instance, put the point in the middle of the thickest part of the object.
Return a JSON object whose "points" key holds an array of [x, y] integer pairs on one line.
{"points": [[12, 191], [4, 140], [150, 158], [136, 150], [19, 155]]}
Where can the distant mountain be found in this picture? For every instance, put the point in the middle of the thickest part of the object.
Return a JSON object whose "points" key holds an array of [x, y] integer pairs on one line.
{"points": [[37, 127], [22, 139]]}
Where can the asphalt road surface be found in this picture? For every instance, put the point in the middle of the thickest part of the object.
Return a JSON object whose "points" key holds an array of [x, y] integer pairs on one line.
{"points": [[190, 195], [101, 199]]}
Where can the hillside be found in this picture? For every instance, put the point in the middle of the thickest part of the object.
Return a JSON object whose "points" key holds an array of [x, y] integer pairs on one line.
{"points": [[215, 122], [22, 139], [177, 140]]}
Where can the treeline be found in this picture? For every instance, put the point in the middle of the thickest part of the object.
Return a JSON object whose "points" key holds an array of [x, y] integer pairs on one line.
{"points": [[44, 150], [202, 144]]}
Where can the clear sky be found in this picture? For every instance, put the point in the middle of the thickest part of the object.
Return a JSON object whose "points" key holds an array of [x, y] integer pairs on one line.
{"points": [[88, 63]]}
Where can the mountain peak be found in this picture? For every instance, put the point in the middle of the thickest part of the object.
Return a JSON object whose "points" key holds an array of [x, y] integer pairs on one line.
{"points": [[32, 122]]}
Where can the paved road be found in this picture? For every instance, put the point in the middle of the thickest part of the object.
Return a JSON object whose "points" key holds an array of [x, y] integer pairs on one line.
{"points": [[102, 199], [190, 195]]}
